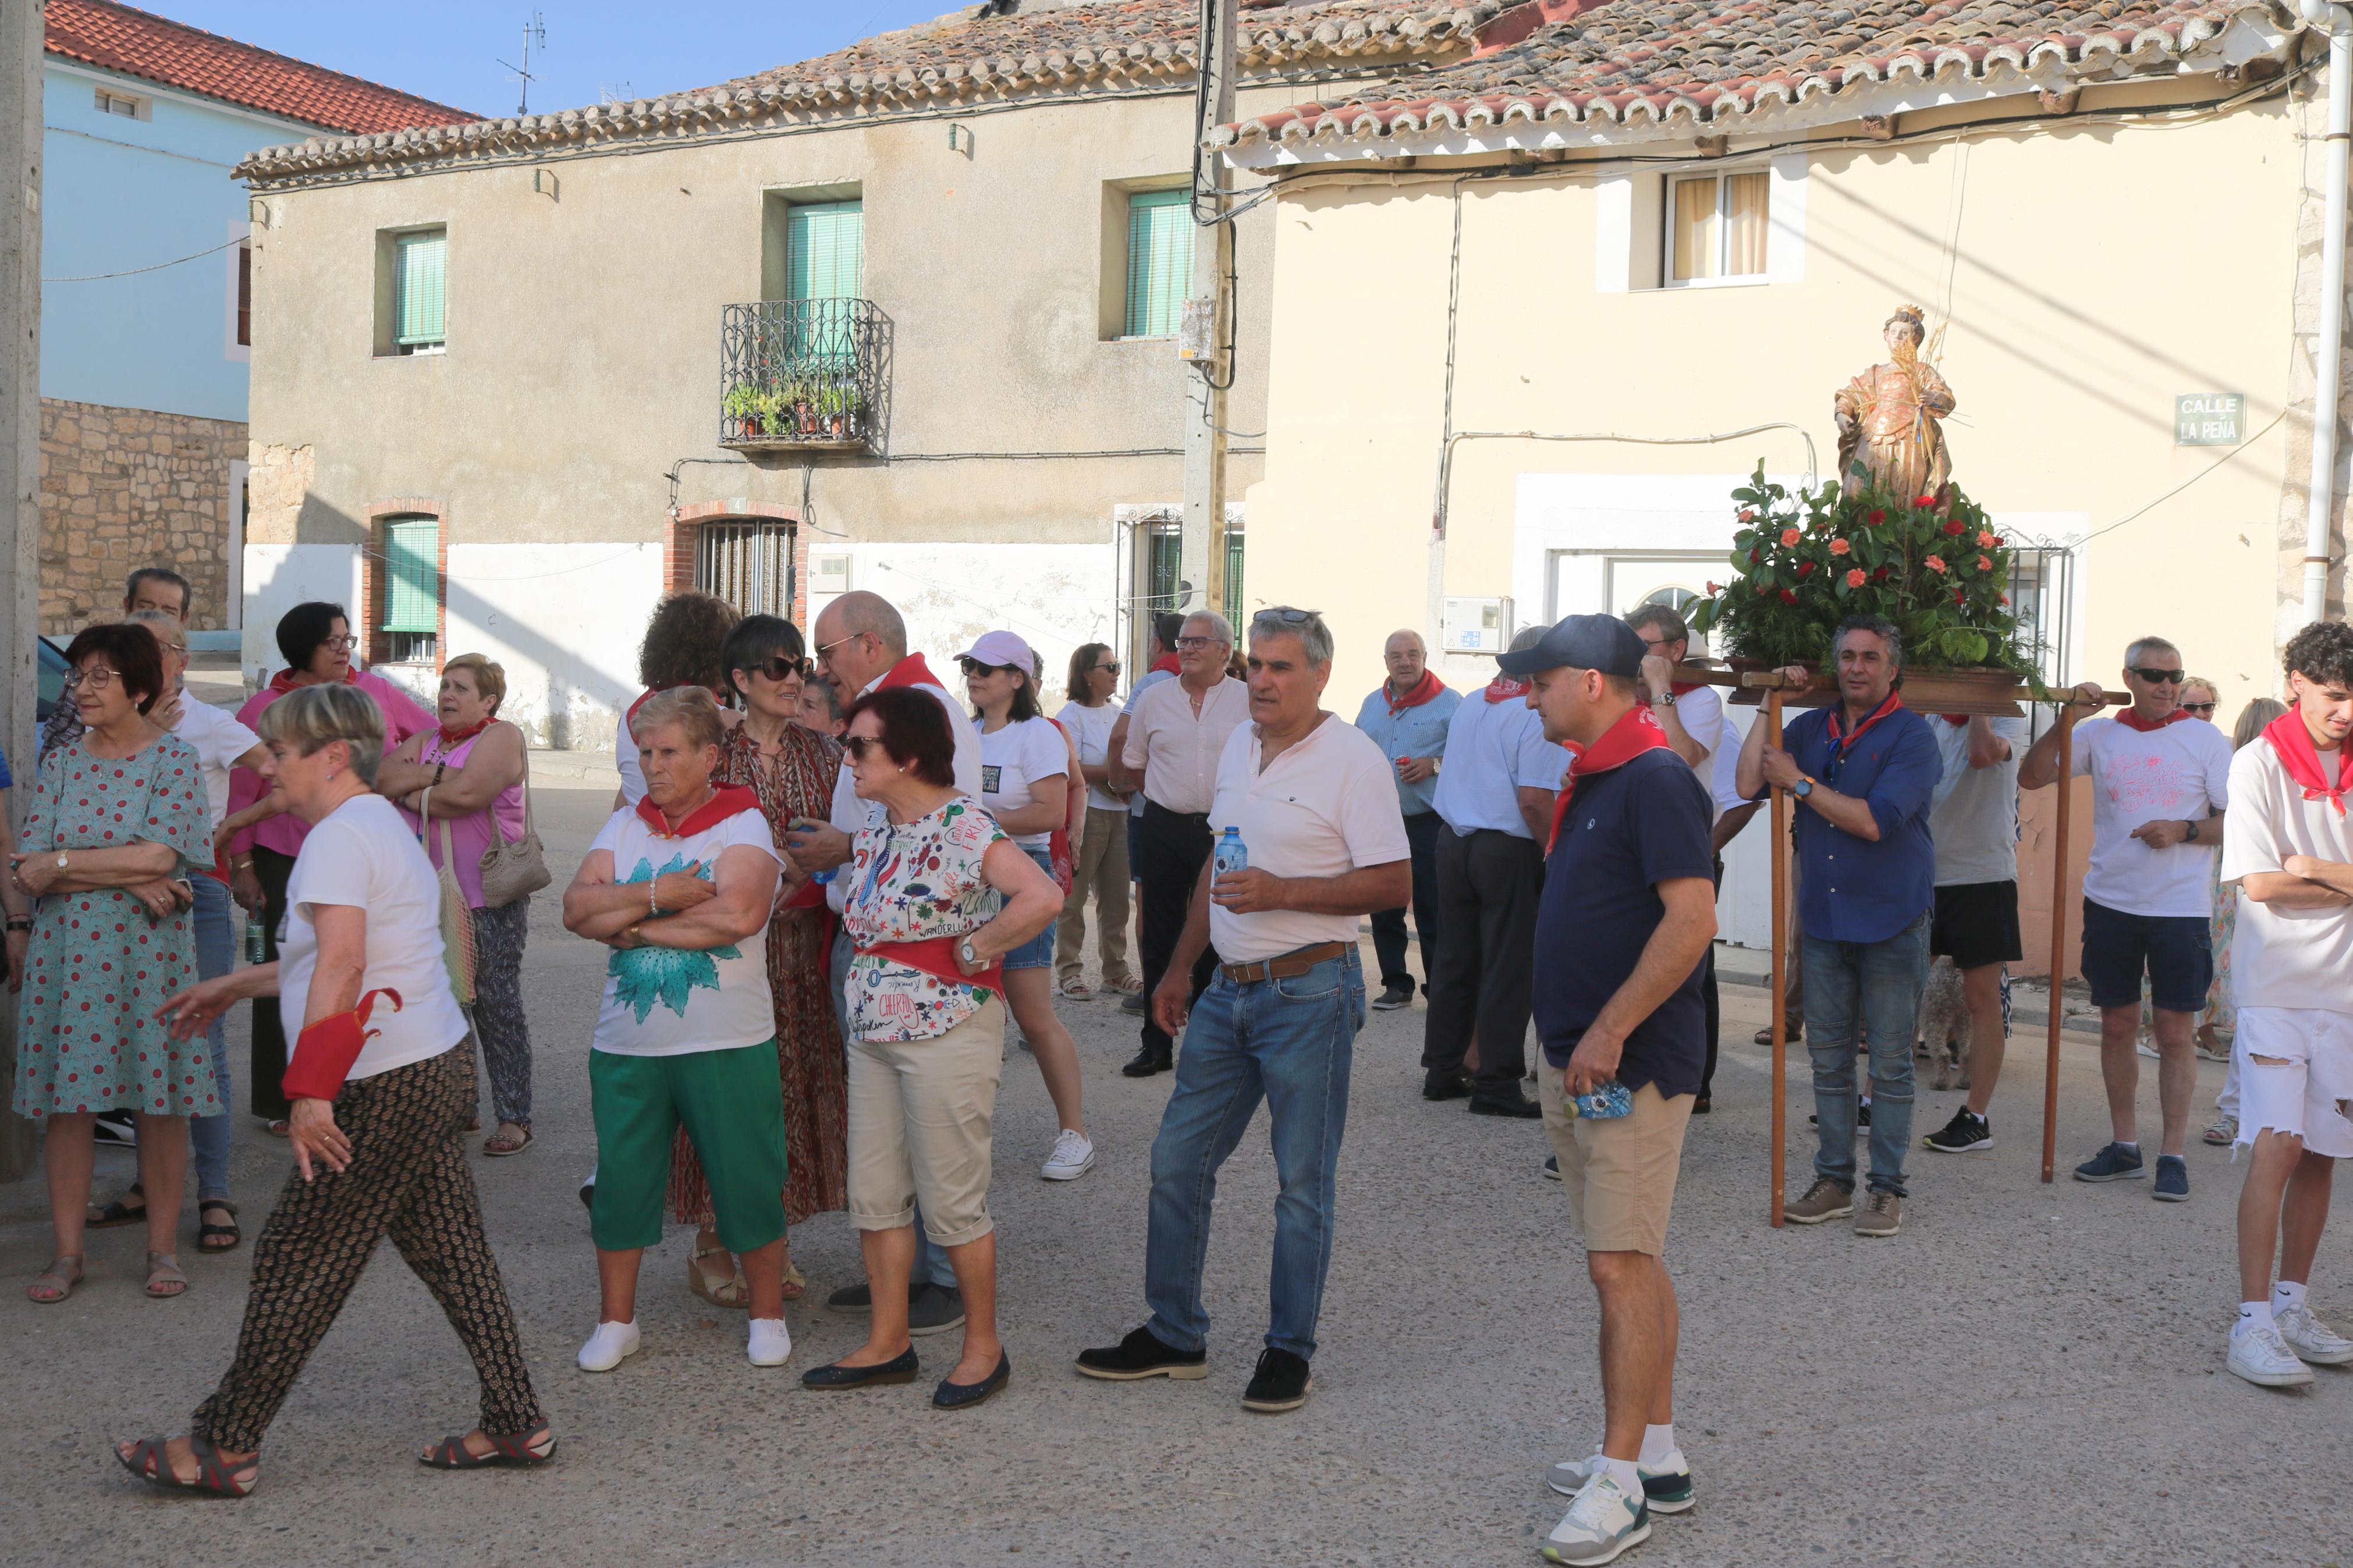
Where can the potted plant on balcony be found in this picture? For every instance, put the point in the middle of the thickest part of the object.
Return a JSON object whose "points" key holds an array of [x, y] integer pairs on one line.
{"points": [[801, 393], [746, 405], [837, 404]]}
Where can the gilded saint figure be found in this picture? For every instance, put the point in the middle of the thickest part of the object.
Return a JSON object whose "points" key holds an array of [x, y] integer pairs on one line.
{"points": [[1890, 435]]}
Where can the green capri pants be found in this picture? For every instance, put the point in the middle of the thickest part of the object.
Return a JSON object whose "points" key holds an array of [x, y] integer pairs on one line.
{"points": [[733, 1108]]}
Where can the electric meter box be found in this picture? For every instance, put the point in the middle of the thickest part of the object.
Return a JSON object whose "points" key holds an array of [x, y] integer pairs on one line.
{"points": [[1476, 626]]}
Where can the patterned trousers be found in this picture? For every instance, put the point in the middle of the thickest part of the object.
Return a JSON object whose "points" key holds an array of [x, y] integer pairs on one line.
{"points": [[498, 1016], [408, 1179]]}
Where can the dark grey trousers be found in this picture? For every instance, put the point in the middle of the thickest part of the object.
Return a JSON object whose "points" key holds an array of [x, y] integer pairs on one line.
{"points": [[1488, 886]]}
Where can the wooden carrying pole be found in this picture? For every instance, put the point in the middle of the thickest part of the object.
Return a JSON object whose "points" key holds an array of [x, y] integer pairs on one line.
{"points": [[1781, 973], [2066, 787]]}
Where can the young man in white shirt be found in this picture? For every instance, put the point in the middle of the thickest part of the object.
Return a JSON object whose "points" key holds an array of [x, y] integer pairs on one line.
{"points": [[2161, 783], [1315, 802], [1692, 716], [1975, 826], [2288, 846]]}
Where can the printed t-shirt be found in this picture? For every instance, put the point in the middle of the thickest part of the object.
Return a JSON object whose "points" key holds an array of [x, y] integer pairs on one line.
{"points": [[2180, 773], [364, 858], [2284, 958], [673, 1001], [1090, 728], [1015, 757], [853, 816], [1974, 819], [1326, 807], [915, 882]]}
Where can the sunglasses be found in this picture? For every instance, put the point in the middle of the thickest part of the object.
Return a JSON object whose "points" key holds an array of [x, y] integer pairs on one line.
{"points": [[2197, 707], [781, 668], [1111, 665], [973, 666], [858, 745], [1282, 615], [2159, 677]]}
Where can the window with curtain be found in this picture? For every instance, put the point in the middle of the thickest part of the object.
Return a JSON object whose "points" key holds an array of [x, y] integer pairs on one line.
{"points": [[420, 298], [412, 588], [1717, 225], [824, 247], [1159, 261]]}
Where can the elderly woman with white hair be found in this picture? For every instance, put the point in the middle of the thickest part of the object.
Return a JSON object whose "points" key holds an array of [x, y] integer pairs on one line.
{"points": [[379, 1092]]}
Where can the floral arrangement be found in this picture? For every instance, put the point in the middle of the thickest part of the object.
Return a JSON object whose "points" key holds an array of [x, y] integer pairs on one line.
{"points": [[1806, 561]]}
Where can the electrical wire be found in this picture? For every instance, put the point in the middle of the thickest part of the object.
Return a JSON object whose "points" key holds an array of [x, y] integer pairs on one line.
{"points": [[136, 271], [2232, 456]]}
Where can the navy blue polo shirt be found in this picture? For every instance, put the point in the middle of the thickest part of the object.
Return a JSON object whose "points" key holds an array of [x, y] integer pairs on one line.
{"points": [[1850, 888], [1626, 831]]}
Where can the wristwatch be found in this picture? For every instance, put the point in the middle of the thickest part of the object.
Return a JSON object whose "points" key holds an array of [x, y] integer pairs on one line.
{"points": [[1803, 787], [1664, 699], [965, 951], [20, 922], [61, 860], [2190, 837]]}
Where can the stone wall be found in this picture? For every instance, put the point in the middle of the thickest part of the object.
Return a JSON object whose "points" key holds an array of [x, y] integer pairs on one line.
{"points": [[123, 487]]}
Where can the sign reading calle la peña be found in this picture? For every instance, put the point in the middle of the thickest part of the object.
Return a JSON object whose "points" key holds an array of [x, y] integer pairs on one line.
{"points": [[2209, 419]]}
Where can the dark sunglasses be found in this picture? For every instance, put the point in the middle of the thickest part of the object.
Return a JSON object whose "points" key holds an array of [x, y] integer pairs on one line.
{"points": [[782, 668], [857, 745], [2158, 677], [972, 667], [1284, 615], [1111, 664], [2197, 707]]}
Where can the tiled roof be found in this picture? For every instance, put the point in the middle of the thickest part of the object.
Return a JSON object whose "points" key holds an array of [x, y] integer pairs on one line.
{"points": [[170, 54], [1711, 62], [959, 62]]}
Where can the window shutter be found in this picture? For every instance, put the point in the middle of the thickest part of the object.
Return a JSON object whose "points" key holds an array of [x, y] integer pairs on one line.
{"points": [[1159, 261], [419, 311], [1233, 574], [825, 247], [412, 574]]}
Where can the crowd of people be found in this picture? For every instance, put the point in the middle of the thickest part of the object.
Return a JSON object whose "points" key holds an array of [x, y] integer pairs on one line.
{"points": [[832, 887]]}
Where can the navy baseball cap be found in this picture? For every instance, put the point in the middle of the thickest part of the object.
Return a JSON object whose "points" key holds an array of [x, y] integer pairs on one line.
{"points": [[1582, 642]]}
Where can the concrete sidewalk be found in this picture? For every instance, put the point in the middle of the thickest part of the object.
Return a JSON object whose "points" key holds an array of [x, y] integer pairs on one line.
{"points": [[2028, 1374]]}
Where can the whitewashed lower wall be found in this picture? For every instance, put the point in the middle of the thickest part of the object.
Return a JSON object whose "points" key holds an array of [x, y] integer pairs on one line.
{"points": [[277, 578], [1055, 595], [564, 620]]}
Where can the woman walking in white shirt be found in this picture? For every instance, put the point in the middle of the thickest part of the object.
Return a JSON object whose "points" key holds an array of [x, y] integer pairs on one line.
{"points": [[1100, 854]]}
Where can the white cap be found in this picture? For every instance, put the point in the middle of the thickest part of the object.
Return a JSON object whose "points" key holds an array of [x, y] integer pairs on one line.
{"points": [[1003, 648]]}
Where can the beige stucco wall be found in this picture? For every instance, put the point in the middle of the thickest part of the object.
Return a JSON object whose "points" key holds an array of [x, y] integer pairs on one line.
{"points": [[2093, 273]]}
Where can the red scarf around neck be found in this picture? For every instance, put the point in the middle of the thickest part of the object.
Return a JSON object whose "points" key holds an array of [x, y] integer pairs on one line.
{"points": [[453, 739], [1427, 690], [2301, 758], [2131, 719], [1504, 687], [724, 802], [1168, 662], [1636, 731], [1955, 719], [1841, 744], [284, 681], [910, 671]]}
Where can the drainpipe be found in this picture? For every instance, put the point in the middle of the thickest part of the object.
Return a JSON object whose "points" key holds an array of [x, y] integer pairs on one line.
{"points": [[2337, 21]]}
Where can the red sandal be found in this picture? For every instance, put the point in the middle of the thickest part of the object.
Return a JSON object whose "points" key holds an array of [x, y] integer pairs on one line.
{"points": [[216, 1477], [516, 1448]]}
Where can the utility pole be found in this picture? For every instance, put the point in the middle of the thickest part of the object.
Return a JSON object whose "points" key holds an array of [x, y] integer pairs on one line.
{"points": [[21, 37], [1205, 340]]}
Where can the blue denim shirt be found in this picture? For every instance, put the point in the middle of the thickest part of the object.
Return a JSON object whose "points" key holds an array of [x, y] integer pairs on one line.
{"points": [[1850, 888], [1416, 733]]}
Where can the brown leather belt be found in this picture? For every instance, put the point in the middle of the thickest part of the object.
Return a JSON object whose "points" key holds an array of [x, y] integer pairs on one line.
{"points": [[1283, 965]]}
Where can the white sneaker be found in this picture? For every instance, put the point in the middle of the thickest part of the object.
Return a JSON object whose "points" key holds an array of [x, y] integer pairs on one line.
{"points": [[2311, 1340], [1666, 1487], [771, 1343], [1602, 1522], [609, 1346], [2262, 1358], [1073, 1157]]}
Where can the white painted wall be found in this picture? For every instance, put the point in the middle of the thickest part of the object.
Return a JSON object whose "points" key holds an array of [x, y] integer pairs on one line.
{"points": [[1055, 596], [564, 621], [277, 578]]}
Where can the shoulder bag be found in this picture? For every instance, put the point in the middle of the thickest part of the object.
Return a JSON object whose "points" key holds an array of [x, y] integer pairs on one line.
{"points": [[517, 869], [457, 919]]}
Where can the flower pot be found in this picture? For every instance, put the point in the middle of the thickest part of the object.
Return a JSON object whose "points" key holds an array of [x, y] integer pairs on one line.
{"points": [[805, 418], [835, 424], [750, 427]]}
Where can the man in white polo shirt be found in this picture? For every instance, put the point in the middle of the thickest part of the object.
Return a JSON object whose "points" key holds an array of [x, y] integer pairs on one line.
{"points": [[1313, 800], [2288, 846]]}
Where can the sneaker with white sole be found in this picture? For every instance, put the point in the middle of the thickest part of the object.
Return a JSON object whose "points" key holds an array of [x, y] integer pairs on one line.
{"points": [[609, 1346], [1667, 1489], [1603, 1522], [2311, 1340], [1073, 1156], [771, 1343], [2262, 1358]]}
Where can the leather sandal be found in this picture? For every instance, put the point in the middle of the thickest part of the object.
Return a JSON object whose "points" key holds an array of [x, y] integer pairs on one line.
{"points": [[211, 1234], [795, 1283], [511, 1138], [50, 1294], [523, 1449], [164, 1279], [214, 1476], [119, 1212], [735, 1293]]}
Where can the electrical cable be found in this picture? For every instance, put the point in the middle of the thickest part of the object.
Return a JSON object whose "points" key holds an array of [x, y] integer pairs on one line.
{"points": [[136, 271], [2232, 456]]}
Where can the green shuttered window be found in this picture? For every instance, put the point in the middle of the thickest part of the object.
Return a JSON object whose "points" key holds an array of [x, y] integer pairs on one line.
{"points": [[1159, 261], [420, 298], [412, 592], [825, 244]]}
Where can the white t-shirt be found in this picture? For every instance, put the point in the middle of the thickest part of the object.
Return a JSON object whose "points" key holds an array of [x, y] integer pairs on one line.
{"points": [[1012, 759], [1701, 711], [1975, 818], [625, 757], [674, 1001], [1090, 728], [1327, 805], [1493, 750], [2180, 772], [1723, 767], [364, 856], [853, 814], [2284, 958], [218, 740]]}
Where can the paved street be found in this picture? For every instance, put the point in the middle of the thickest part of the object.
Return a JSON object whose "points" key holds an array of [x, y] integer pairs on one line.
{"points": [[2027, 1375]]}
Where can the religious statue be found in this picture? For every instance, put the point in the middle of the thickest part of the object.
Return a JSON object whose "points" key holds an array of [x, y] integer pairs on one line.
{"points": [[1890, 435]]}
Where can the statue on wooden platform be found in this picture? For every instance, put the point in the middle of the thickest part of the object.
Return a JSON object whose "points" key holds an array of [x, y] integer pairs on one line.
{"points": [[1891, 437]]}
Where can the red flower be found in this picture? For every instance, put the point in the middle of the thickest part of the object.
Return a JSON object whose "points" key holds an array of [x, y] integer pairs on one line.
{"points": [[1791, 535], [1805, 569], [1957, 528], [1937, 564], [1959, 597], [1984, 565], [1997, 541], [1880, 575], [1788, 598], [1840, 547], [1714, 589], [1876, 516], [1763, 589], [1986, 541], [1757, 556], [1924, 501], [1854, 578], [1746, 515], [2005, 598]]}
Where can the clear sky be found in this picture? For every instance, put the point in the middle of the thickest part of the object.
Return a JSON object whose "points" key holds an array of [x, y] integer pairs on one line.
{"points": [[449, 50]]}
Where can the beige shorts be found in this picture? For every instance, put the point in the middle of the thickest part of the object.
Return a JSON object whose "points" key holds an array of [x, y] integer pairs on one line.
{"points": [[1621, 1174], [920, 1113]]}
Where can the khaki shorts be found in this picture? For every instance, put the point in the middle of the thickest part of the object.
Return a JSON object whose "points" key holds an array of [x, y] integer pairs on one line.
{"points": [[920, 1113], [1621, 1174]]}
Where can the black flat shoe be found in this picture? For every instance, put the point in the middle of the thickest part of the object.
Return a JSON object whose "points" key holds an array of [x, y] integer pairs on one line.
{"points": [[1280, 1383], [965, 1395], [1143, 1354], [1520, 1106], [1445, 1086], [900, 1368], [1146, 1062]]}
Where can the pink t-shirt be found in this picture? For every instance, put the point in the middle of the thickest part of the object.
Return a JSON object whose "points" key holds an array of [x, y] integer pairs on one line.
{"points": [[469, 836], [286, 831]]}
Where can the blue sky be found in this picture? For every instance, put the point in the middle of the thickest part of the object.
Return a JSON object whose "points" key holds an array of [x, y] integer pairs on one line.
{"points": [[449, 50]]}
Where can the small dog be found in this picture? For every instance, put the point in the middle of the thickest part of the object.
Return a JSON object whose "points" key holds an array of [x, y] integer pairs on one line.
{"points": [[1943, 1036]]}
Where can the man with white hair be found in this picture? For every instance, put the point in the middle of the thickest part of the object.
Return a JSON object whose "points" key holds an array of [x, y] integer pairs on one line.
{"points": [[1407, 717], [1311, 800], [1174, 739]]}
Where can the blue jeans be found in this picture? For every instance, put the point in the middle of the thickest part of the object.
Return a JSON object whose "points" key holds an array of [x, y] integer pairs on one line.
{"points": [[932, 1266], [218, 922], [1290, 1042], [1873, 986]]}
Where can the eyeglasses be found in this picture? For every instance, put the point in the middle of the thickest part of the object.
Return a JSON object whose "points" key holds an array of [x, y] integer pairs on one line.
{"points": [[858, 745], [827, 648], [1285, 615], [2158, 677], [1188, 644], [973, 666], [781, 668], [1111, 665], [2198, 707], [97, 677], [339, 644]]}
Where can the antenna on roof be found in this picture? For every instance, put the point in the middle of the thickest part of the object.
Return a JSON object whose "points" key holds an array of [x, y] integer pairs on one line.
{"points": [[533, 32]]}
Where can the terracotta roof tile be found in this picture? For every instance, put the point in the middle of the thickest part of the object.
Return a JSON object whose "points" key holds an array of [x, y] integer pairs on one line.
{"points": [[117, 38]]}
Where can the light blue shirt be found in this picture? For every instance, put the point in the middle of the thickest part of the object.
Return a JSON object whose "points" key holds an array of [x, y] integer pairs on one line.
{"points": [[1413, 732], [1493, 750]]}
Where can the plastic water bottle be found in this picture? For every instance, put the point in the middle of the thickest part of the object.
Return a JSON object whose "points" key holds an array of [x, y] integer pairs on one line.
{"points": [[254, 938], [1608, 1103], [1230, 853]]}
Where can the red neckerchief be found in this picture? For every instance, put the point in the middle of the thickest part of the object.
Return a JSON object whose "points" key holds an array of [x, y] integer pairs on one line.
{"points": [[283, 681], [453, 739], [1426, 690], [2301, 758], [2131, 719], [1636, 731], [910, 671], [1839, 745], [724, 802], [1955, 719], [643, 697], [1504, 687], [1167, 661]]}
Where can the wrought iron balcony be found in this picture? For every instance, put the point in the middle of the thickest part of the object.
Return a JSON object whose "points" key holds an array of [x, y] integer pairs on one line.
{"points": [[800, 372]]}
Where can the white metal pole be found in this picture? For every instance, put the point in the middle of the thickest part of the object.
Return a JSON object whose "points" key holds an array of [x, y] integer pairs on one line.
{"points": [[2328, 351]]}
